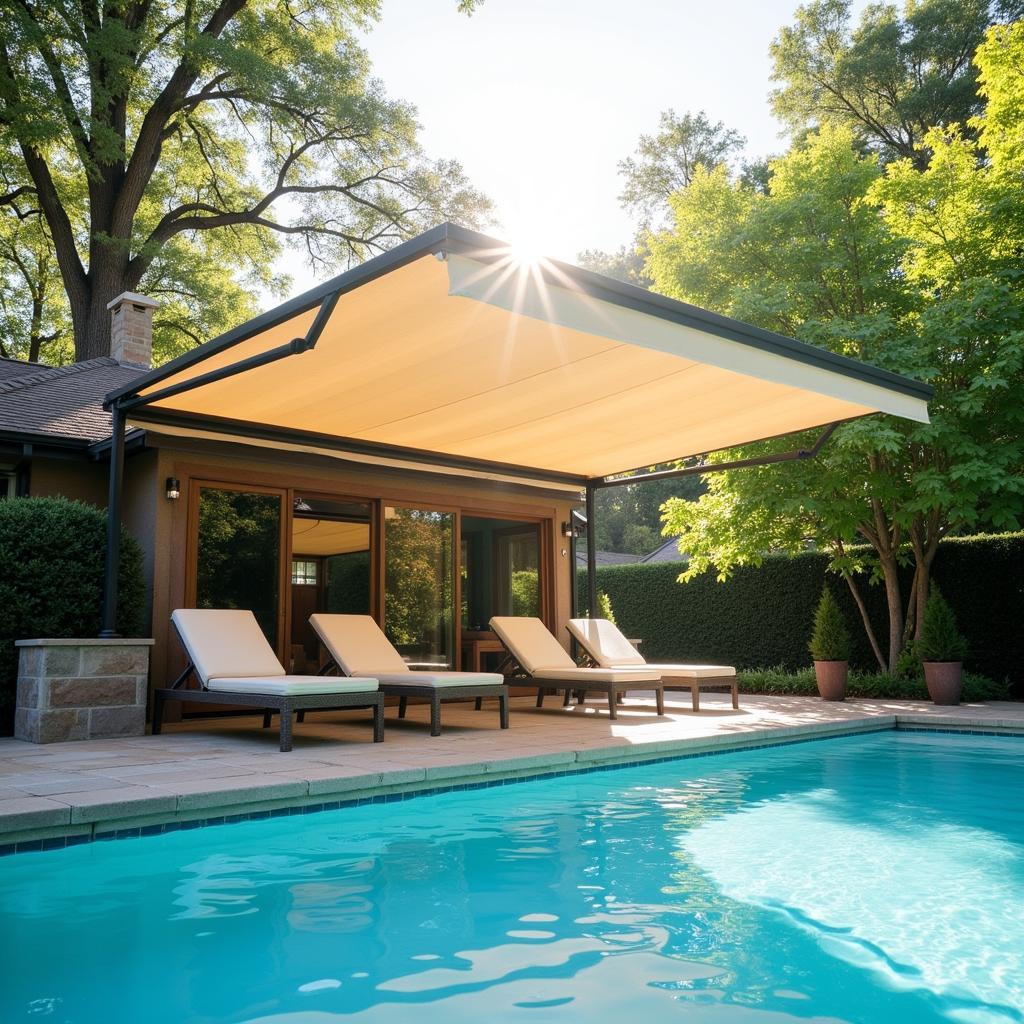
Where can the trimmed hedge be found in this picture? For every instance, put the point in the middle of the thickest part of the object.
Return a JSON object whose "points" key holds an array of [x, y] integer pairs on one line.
{"points": [[51, 580], [762, 616], [869, 685]]}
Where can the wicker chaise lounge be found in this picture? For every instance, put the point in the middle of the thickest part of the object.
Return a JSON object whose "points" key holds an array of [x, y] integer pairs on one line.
{"points": [[234, 664], [545, 662], [355, 642], [606, 646]]}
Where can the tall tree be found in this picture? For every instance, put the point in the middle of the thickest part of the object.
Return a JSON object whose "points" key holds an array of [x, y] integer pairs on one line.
{"points": [[667, 161], [663, 164], [33, 320], [892, 77], [144, 124], [847, 258]]}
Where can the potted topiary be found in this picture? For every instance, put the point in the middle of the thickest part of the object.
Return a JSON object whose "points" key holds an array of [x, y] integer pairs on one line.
{"points": [[830, 647], [941, 649]]}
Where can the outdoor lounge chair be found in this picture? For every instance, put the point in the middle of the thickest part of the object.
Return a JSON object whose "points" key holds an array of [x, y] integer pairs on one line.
{"points": [[234, 664], [356, 642], [606, 646], [543, 659]]}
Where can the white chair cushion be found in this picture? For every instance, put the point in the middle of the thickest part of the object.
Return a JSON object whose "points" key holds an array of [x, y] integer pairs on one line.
{"points": [[480, 680], [597, 675], [604, 642], [358, 645], [689, 671], [224, 642], [291, 686], [530, 643]]}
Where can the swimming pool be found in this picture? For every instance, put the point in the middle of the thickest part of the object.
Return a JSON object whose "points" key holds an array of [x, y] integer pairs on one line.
{"points": [[865, 879]]}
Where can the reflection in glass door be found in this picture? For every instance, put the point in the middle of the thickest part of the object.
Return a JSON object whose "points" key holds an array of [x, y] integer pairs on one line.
{"points": [[238, 553], [419, 585], [332, 568]]}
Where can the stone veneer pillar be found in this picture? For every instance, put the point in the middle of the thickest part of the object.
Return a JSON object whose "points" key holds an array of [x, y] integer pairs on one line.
{"points": [[81, 689]]}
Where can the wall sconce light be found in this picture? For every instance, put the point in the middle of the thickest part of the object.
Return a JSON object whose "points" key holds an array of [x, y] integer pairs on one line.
{"points": [[173, 488], [567, 529]]}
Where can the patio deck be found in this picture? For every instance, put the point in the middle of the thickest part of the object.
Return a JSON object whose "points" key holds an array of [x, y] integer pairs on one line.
{"points": [[201, 772]]}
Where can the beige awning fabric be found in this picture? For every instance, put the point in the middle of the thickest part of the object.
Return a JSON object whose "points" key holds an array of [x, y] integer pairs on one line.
{"points": [[457, 350], [326, 537]]}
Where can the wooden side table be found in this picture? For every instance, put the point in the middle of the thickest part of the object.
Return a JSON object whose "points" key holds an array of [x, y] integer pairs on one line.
{"points": [[475, 644]]}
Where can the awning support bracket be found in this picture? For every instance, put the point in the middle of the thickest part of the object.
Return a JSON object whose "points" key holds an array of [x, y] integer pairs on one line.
{"points": [[293, 347], [795, 455], [702, 467], [122, 405]]}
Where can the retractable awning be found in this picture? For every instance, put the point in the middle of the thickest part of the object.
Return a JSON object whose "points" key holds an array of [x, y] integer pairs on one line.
{"points": [[449, 352]]}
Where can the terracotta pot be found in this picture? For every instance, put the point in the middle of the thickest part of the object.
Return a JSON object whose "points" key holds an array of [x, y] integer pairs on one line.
{"points": [[831, 676], [945, 681]]}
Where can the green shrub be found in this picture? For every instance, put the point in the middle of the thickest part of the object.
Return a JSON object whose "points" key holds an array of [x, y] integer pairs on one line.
{"points": [[525, 592], [830, 638], [940, 639], [51, 579]]}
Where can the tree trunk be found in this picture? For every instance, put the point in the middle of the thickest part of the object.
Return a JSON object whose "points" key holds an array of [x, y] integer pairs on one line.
{"points": [[890, 575], [107, 278], [866, 620], [92, 327]]}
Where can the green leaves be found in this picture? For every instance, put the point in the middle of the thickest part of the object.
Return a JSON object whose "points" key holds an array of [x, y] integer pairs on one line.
{"points": [[940, 639], [913, 267], [142, 127], [830, 637]]}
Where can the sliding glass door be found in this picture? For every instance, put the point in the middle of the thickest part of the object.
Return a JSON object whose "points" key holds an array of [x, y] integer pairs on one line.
{"points": [[419, 585]]}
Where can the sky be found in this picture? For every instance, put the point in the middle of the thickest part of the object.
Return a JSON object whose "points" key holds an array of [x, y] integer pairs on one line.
{"points": [[540, 99]]}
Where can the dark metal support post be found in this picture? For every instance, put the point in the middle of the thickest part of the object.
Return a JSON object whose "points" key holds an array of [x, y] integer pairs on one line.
{"points": [[591, 554], [113, 560], [573, 573]]}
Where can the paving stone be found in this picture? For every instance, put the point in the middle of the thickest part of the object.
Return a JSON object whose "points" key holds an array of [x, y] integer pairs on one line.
{"points": [[222, 792], [119, 802], [332, 781], [32, 812]]}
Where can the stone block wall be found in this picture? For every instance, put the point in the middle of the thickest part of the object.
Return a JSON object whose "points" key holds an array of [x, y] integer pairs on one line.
{"points": [[81, 689]]}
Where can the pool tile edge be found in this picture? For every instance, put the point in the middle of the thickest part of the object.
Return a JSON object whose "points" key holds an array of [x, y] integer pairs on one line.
{"points": [[401, 784]]}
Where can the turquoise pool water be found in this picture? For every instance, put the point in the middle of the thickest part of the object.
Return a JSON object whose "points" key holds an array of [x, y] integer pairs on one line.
{"points": [[865, 879]]}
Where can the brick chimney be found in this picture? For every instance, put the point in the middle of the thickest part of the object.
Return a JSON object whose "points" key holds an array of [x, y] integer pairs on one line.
{"points": [[131, 329]]}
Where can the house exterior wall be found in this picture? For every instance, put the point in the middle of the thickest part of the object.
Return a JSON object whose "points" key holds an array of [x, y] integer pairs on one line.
{"points": [[69, 478], [161, 526], [190, 461]]}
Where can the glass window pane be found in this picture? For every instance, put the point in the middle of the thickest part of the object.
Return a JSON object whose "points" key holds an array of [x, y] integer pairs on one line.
{"points": [[239, 554], [419, 582], [501, 569], [304, 572]]}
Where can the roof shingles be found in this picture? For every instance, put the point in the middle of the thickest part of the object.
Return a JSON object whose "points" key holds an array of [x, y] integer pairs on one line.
{"points": [[64, 402]]}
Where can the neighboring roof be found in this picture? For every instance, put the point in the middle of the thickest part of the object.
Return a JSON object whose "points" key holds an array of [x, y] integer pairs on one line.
{"points": [[667, 552], [64, 402], [10, 369], [608, 558], [447, 351]]}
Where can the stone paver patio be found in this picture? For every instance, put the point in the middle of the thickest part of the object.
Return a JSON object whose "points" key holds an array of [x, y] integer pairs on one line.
{"points": [[205, 770]]}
